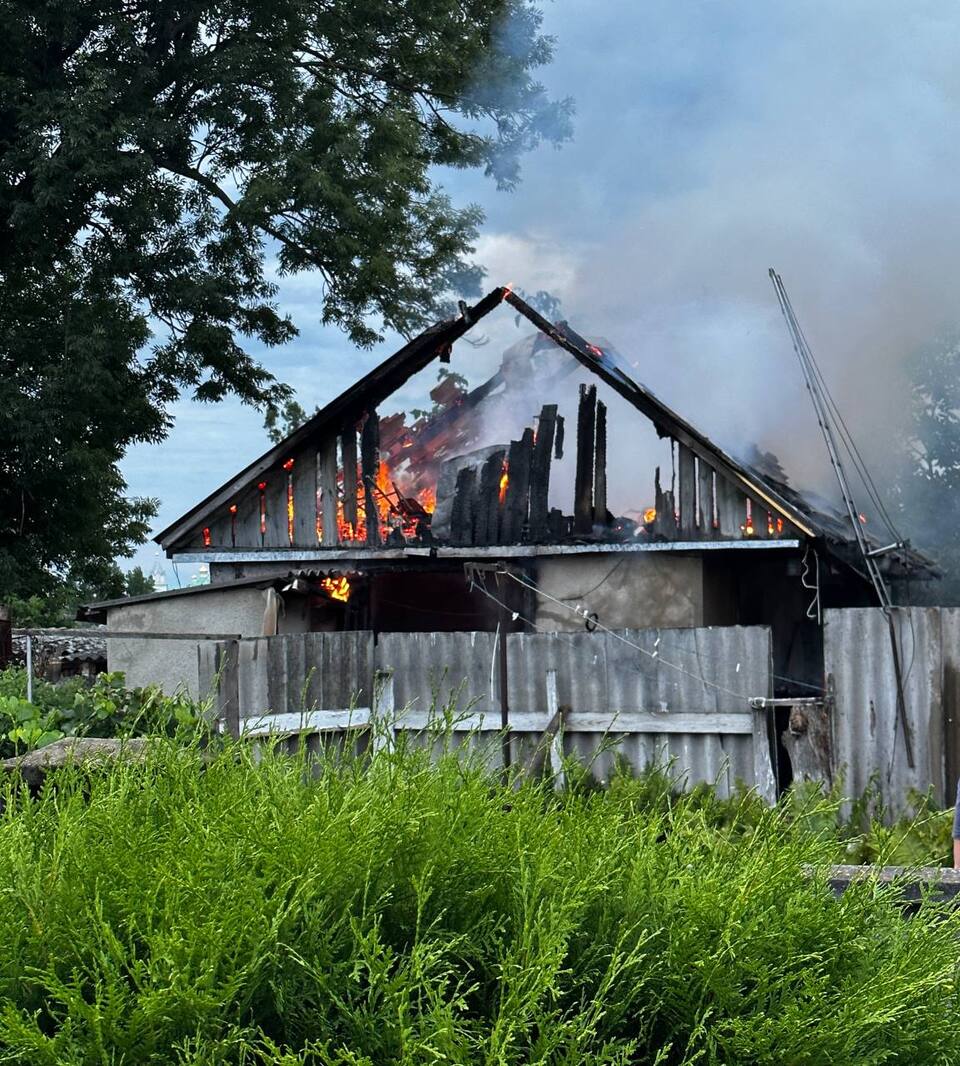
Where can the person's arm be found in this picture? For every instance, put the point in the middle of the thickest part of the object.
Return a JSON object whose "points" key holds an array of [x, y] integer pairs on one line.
{"points": [[956, 854]]}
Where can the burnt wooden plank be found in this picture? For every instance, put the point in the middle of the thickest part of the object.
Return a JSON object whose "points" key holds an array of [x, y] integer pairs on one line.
{"points": [[221, 531], [760, 518], [369, 461], [519, 460], [557, 525], [665, 523], [731, 509], [706, 509], [583, 485], [227, 674], [464, 500], [305, 500], [248, 519], [327, 473], [558, 439], [486, 517], [687, 473], [348, 456], [277, 533], [600, 467], [540, 472]]}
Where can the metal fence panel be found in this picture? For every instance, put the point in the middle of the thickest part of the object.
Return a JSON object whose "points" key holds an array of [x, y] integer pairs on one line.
{"points": [[868, 740], [649, 696], [436, 671]]}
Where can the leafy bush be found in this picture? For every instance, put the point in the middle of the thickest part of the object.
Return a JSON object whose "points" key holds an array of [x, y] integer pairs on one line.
{"points": [[249, 908], [74, 708]]}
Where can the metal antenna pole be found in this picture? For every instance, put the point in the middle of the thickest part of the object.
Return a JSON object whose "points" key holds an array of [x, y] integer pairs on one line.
{"points": [[867, 555]]}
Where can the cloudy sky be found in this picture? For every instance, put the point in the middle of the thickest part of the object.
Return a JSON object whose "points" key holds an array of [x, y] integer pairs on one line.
{"points": [[712, 141]]}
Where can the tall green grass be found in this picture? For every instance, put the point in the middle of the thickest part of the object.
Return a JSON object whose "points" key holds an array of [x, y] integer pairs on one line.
{"points": [[253, 909]]}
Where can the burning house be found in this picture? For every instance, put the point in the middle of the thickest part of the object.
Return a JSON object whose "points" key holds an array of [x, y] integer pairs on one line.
{"points": [[527, 501]]}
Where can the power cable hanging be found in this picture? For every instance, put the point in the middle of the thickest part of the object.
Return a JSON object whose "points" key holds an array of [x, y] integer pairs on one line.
{"points": [[850, 444], [476, 583], [655, 655], [830, 421]]}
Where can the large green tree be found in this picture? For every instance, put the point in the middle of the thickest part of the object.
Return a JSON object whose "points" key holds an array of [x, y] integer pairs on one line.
{"points": [[162, 162]]}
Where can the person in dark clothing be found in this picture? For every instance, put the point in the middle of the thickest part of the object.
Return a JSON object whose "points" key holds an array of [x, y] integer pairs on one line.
{"points": [[956, 831]]}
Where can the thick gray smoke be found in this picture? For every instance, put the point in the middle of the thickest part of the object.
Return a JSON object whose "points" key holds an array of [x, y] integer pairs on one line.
{"points": [[714, 141]]}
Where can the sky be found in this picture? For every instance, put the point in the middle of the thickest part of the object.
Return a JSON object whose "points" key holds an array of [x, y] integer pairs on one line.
{"points": [[711, 142]]}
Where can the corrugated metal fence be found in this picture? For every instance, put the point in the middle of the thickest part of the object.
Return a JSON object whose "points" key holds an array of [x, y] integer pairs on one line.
{"points": [[649, 695], [866, 739]]}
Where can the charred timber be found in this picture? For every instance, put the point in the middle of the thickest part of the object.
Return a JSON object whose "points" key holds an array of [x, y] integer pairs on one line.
{"points": [[540, 473], [519, 460], [464, 503], [586, 438], [600, 514], [486, 519], [348, 452], [369, 459]]}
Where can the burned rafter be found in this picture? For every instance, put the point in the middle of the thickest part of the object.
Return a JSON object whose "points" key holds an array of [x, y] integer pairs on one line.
{"points": [[540, 473]]}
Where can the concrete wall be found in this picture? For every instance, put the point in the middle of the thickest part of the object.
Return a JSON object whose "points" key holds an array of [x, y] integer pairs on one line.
{"points": [[639, 591], [172, 664]]}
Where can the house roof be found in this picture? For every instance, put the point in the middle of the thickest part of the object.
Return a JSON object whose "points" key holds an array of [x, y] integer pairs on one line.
{"points": [[97, 610], [813, 521]]}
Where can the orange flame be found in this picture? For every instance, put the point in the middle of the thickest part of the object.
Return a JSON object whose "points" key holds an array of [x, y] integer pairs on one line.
{"points": [[650, 515], [337, 588], [504, 481], [389, 495]]}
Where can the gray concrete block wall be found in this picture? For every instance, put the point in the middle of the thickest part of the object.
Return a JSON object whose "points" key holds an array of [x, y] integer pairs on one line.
{"points": [[172, 664]]}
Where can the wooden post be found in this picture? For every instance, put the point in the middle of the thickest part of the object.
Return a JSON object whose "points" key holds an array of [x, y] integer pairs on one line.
{"points": [[384, 717], [464, 504], [277, 533], [665, 524], [305, 500], [504, 681], [348, 455], [600, 468], [688, 491], [519, 460], [227, 664], [705, 478], [583, 487], [731, 509], [327, 461], [369, 462], [486, 518], [540, 473], [558, 438], [556, 738]]}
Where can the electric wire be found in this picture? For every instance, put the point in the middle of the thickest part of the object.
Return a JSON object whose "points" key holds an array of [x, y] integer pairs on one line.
{"points": [[669, 646], [850, 444], [654, 655], [832, 422]]}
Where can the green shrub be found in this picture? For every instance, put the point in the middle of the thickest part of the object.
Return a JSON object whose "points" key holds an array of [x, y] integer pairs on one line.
{"points": [[251, 908], [75, 708]]}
